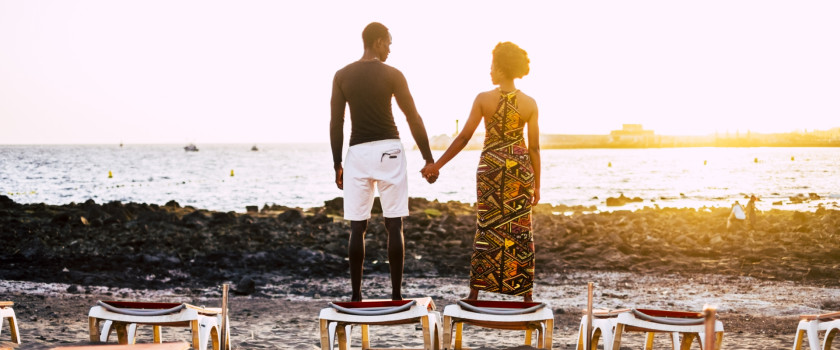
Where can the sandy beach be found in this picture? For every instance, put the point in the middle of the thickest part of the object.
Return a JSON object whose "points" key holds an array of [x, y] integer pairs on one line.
{"points": [[285, 264], [756, 314]]}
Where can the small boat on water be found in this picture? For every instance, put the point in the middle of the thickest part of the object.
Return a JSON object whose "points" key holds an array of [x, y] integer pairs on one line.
{"points": [[254, 148], [191, 148]]}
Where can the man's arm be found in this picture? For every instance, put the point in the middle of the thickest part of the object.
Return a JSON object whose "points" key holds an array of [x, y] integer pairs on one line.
{"points": [[415, 123], [338, 103]]}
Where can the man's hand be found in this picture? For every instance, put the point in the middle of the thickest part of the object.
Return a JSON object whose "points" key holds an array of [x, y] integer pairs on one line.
{"points": [[430, 172], [339, 177]]}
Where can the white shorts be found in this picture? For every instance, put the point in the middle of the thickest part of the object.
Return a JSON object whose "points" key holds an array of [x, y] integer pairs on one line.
{"points": [[381, 163]]}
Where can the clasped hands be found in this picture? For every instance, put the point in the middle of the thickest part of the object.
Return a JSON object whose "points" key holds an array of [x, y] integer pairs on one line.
{"points": [[430, 172]]}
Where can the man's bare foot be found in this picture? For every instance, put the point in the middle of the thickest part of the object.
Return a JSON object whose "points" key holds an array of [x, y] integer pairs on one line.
{"points": [[396, 297], [356, 298], [529, 298]]}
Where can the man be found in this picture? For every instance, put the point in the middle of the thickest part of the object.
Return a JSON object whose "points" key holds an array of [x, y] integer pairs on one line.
{"points": [[375, 156]]}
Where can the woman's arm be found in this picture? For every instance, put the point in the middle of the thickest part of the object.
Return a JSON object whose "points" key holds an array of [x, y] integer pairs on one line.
{"points": [[534, 151], [460, 141]]}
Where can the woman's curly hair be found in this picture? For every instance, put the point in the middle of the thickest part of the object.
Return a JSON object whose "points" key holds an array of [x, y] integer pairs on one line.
{"points": [[511, 60]]}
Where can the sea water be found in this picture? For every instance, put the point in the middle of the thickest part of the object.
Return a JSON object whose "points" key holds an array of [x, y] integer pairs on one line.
{"points": [[229, 177]]}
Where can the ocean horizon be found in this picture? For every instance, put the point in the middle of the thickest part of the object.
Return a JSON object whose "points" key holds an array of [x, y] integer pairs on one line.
{"points": [[301, 175]]}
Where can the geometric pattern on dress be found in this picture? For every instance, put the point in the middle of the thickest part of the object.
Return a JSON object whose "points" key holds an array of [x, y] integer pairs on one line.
{"points": [[503, 249]]}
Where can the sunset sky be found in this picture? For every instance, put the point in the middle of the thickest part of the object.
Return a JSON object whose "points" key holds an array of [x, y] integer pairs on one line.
{"points": [[180, 71]]}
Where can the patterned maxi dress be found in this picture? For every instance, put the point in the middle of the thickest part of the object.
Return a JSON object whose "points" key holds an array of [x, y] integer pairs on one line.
{"points": [[503, 257]]}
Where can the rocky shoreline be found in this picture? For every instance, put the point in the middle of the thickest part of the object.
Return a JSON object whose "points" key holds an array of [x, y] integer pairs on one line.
{"points": [[131, 245]]}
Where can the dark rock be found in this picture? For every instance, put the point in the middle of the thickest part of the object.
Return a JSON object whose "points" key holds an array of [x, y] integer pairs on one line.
{"points": [[6, 202], [172, 204], [319, 219], [74, 289], [252, 209], [245, 286], [228, 218], [151, 259], [417, 203], [621, 200], [813, 196], [290, 215], [799, 198], [334, 206], [62, 218]]}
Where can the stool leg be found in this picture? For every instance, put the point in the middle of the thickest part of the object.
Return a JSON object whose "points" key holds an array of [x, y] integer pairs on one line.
{"points": [[437, 337], [325, 335], [688, 338], [226, 341], [156, 334], [106, 330], [206, 326], [132, 333], [619, 330], [797, 341], [675, 340], [813, 335], [93, 327], [549, 330], [122, 334], [215, 335], [341, 331], [459, 331], [528, 334], [649, 340], [447, 332], [365, 337], [196, 339], [427, 332], [13, 327]]}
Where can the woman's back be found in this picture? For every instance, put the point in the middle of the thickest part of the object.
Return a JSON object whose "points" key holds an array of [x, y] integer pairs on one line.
{"points": [[506, 115]]}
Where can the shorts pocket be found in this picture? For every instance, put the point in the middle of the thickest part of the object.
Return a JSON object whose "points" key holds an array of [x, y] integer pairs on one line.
{"points": [[390, 154]]}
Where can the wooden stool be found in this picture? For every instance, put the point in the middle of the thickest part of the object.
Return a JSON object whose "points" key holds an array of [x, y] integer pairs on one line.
{"points": [[125, 316], [337, 319], [510, 315], [6, 313]]}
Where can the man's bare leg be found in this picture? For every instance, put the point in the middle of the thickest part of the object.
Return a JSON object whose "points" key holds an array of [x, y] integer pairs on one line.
{"points": [[357, 257], [396, 255]]}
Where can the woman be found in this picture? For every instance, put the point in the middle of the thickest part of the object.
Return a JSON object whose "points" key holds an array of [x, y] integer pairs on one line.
{"points": [[508, 179]]}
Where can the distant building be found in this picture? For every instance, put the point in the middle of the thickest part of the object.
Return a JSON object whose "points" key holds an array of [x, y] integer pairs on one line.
{"points": [[633, 135]]}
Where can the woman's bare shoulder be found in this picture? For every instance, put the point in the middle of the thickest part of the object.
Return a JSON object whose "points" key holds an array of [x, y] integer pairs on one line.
{"points": [[526, 99]]}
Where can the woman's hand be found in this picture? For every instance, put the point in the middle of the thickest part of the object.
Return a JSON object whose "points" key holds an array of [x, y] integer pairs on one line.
{"points": [[430, 172], [536, 198]]}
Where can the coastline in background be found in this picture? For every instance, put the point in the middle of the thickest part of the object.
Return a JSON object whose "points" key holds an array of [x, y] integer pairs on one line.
{"points": [[635, 136]]}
